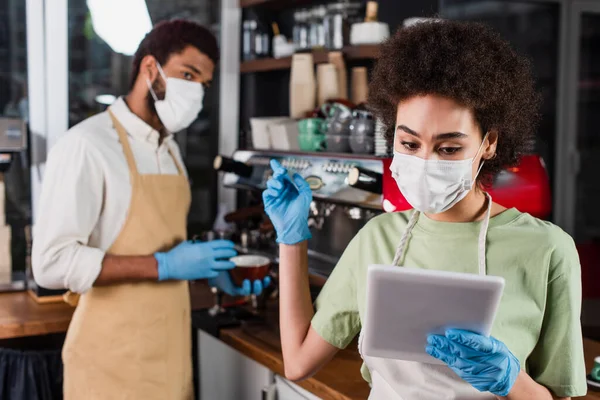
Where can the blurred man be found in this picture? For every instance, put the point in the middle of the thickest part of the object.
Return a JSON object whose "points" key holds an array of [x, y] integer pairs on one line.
{"points": [[112, 225]]}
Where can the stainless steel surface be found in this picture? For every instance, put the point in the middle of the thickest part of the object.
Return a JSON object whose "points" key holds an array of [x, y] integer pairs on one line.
{"points": [[318, 263], [318, 213], [218, 307], [244, 236], [327, 174], [336, 232], [355, 213], [337, 212]]}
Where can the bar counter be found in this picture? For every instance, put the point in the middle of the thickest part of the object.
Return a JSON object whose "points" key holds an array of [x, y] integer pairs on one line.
{"points": [[21, 316]]}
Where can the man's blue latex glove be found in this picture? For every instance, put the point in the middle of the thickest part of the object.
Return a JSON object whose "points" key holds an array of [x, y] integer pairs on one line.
{"points": [[195, 260], [287, 203], [485, 363], [223, 282]]}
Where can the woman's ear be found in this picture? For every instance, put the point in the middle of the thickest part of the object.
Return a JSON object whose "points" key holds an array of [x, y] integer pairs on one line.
{"points": [[489, 151]]}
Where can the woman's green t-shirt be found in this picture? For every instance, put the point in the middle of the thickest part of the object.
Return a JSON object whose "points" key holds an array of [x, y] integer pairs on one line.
{"points": [[539, 315]]}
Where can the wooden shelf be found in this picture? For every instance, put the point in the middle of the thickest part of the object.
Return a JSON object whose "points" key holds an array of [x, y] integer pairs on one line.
{"points": [[366, 52]]}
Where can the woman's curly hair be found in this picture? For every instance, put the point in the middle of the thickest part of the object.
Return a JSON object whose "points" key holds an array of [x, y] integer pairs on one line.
{"points": [[466, 62]]}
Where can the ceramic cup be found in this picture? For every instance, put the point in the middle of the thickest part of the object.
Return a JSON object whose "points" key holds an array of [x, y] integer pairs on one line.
{"points": [[595, 374], [251, 267], [311, 126], [311, 142], [311, 136]]}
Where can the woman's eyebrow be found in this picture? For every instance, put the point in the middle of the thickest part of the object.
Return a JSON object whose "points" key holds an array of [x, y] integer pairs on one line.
{"points": [[407, 130], [439, 136], [450, 135]]}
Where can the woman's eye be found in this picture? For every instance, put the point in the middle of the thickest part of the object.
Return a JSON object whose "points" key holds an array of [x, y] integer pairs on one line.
{"points": [[187, 76], [449, 150], [410, 146]]}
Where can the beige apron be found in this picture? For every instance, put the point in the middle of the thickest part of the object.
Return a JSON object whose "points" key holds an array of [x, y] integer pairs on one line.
{"points": [[133, 341], [405, 380]]}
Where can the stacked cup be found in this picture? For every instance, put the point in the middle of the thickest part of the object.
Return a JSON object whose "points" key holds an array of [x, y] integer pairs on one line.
{"points": [[311, 134], [382, 149], [339, 117], [362, 132]]}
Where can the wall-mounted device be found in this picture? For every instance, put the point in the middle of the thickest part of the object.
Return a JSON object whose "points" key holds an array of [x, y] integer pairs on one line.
{"points": [[13, 135]]}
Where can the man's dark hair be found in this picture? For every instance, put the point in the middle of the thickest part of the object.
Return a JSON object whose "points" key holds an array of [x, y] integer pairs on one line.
{"points": [[171, 37], [470, 64]]}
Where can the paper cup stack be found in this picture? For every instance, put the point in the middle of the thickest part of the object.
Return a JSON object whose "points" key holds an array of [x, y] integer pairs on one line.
{"points": [[381, 146]]}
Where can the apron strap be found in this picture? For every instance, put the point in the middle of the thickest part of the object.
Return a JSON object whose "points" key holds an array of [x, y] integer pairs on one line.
{"points": [[401, 250], [129, 153], [483, 236], [125, 143], [481, 244], [180, 169]]}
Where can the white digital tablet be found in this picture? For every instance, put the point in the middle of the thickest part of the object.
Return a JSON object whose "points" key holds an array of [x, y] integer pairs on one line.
{"points": [[404, 305]]}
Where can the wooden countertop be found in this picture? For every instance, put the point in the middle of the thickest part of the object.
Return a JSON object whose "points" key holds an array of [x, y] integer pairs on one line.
{"points": [[340, 379], [21, 316]]}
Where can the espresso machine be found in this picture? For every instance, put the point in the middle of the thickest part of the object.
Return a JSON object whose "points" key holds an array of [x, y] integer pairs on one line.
{"points": [[338, 211], [348, 190], [340, 208]]}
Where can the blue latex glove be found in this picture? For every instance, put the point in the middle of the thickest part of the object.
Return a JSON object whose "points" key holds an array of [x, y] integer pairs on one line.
{"points": [[195, 260], [287, 203], [223, 282], [485, 363]]}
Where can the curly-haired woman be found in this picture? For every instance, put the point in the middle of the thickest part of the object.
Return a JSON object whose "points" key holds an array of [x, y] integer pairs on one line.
{"points": [[460, 104]]}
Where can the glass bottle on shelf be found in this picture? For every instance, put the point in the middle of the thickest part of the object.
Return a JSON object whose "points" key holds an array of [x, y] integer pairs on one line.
{"points": [[313, 28], [335, 23], [300, 32], [266, 44], [319, 14], [258, 43], [261, 42], [249, 40], [297, 28]]}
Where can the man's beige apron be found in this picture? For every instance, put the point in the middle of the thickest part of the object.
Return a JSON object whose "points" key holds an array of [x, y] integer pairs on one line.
{"points": [[133, 341]]}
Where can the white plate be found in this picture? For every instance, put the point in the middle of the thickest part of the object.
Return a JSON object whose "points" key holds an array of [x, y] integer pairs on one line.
{"points": [[404, 305]]}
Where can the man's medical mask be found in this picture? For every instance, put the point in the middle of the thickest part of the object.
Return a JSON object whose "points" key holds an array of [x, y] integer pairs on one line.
{"points": [[433, 186], [182, 102]]}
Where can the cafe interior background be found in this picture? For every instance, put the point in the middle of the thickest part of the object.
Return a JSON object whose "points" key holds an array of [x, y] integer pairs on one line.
{"points": [[62, 61]]}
